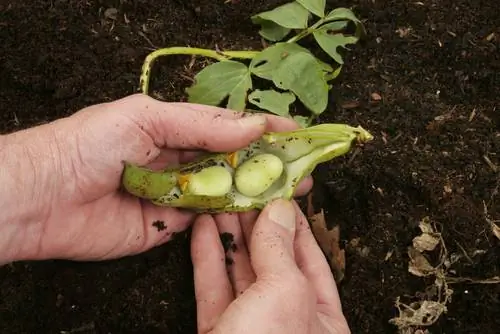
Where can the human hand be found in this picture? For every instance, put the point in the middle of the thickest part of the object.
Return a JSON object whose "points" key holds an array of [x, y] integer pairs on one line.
{"points": [[77, 210], [277, 282]]}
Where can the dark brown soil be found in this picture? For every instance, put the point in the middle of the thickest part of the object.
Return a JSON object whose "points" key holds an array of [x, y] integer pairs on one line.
{"points": [[437, 120]]}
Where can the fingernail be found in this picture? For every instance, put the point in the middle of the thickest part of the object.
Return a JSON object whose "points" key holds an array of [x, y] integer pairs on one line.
{"points": [[253, 121], [283, 213]]}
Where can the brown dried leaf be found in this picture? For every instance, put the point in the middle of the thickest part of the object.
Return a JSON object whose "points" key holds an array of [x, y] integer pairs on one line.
{"points": [[419, 266], [425, 225], [425, 242], [429, 238], [421, 313], [329, 241]]}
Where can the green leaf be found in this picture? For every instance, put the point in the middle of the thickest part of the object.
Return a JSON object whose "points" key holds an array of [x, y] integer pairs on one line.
{"points": [[303, 121], [346, 14], [317, 7], [222, 79], [334, 26], [301, 74], [327, 35], [334, 74], [264, 64], [277, 23], [292, 67], [273, 101], [272, 31], [341, 13], [330, 43]]}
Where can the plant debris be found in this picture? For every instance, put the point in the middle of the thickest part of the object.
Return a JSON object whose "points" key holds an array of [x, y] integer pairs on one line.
{"points": [[424, 312], [429, 239], [421, 313]]}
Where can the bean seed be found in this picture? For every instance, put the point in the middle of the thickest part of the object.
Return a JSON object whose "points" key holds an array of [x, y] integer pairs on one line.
{"points": [[254, 176]]}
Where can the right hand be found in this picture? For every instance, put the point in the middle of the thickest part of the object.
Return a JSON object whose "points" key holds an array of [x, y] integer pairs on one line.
{"points": [[279, 281]]}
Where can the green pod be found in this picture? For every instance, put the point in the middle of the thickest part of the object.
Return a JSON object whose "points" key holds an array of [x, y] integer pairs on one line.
{"points": [[145, 183], [234, 186], [290, 146]]}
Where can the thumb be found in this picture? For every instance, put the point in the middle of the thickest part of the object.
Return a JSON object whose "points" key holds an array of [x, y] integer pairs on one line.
{"points": [[190, 126], [272, 241]]}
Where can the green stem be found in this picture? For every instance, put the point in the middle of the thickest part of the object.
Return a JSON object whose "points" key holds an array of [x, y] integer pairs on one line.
{"points": [[306, 32], [217, 55]]}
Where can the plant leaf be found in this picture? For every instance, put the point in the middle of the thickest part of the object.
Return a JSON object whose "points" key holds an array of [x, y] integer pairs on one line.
{"points": [[273, 101], [270, 58], [277, 23], [303, 121], [330, 43], [300, 73], [222, 79], [317, 7], [334, 26], [273, 32], [346, 14], [292, 67], [419, 265], [334, 74]]}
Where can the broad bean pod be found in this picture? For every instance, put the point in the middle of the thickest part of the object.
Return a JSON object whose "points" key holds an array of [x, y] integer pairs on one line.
{"points": [[247, 179]]}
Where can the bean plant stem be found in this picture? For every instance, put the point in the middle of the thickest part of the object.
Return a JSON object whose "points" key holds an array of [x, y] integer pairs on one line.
{"points": [[217, 55], [306, 32]]}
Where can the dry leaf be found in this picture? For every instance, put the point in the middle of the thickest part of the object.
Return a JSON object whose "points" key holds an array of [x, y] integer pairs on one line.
{"points": [[426, 226], [421, 313], [429, 238], [419, 266], [425, 242], [329, 241]]}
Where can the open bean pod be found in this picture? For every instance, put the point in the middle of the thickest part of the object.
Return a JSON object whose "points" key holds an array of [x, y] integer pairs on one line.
{"points": [[267, 169]]}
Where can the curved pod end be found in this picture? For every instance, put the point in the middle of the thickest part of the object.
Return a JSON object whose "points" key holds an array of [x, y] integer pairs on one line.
{"points": [[145, 183]]}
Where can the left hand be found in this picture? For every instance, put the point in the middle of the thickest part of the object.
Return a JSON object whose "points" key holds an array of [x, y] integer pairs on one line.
{"points": [[81, 214]]}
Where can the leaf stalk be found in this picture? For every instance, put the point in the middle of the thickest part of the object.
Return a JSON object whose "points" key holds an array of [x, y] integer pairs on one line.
{"points": [[181, 50]]}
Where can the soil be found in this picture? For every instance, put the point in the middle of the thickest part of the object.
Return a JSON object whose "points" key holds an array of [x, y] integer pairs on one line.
{"points": [[425, 81]]}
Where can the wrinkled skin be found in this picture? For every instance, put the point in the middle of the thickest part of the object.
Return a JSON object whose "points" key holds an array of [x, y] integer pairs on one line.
{"points": [[279, 281], [67, 175]]}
